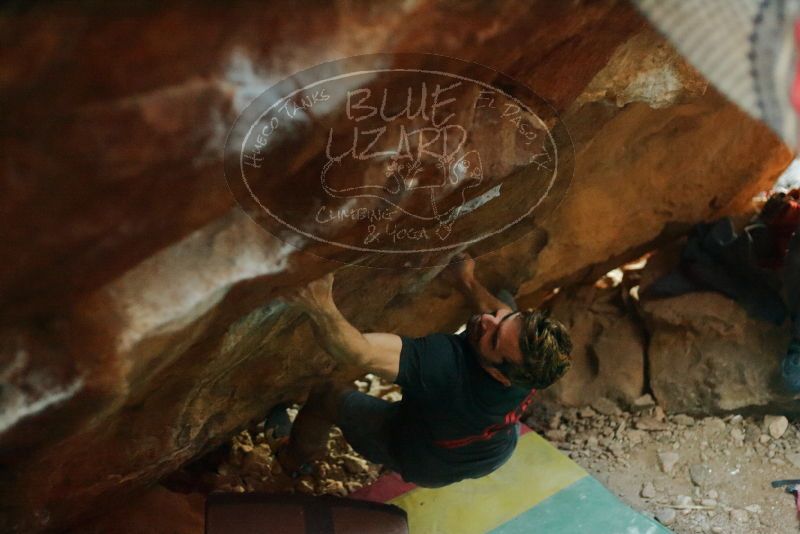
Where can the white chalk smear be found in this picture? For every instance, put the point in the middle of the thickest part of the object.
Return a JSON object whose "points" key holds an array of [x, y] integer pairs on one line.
{"points": [[17, 403], [175, 287], [249, 82]]}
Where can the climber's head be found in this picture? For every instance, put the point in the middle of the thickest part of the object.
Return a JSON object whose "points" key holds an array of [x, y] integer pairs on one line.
{"points": [[527, 349]]}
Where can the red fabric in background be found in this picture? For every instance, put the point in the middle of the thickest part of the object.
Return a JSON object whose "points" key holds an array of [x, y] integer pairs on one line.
{"points": [[782, 228]]}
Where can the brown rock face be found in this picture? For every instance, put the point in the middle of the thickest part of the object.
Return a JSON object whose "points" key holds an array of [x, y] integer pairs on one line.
{"points": [[706, 355], [608, 358], [698, 353], [140, 320]]}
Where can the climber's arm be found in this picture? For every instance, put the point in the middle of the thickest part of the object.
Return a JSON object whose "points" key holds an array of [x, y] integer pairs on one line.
{"points": [[462, 273], [376, 353]]}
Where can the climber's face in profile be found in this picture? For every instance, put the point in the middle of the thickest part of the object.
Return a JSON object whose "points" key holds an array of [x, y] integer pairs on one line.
{"points": [[495, 337]]}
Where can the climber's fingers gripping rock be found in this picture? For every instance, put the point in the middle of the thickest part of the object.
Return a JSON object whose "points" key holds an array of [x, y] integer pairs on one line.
{"points": [[461, 268], [316, 296]]}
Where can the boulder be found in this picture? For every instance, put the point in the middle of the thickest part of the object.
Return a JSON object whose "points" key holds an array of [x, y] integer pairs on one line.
{"points": [[608, 358], [141, 321], [706, 355]]}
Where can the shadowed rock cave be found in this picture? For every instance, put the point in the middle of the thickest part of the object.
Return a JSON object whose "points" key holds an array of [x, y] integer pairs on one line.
{"points": [[144, 337]]}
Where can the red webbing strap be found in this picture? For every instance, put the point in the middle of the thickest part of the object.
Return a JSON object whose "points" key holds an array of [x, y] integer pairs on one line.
{"points": [[510, 418], [797, 500]]}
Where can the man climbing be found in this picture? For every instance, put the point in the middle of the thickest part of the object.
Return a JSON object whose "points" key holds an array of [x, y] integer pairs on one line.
{"points": [[462, 394]]}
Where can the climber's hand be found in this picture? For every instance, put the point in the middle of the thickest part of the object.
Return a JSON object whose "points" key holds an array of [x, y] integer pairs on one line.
{"points": [[461, 274], [316, 296], [461, 271], [372, 352]]}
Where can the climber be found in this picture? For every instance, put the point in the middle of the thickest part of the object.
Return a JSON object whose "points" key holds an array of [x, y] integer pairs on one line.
{"points": [[462, 394]]}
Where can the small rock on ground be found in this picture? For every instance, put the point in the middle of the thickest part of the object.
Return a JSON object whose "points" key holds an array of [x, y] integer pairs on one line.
{"points": [[776, 424], [739, 516], [606, 406], [684, 420], [645, 401], [666, 516], [699, 474], [667, 460], [794, 459]]}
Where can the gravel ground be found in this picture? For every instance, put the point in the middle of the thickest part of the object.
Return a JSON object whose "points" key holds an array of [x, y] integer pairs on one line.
{"points": [[705, 474]]}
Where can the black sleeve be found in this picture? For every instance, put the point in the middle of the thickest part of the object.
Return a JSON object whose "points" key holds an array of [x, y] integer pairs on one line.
{"points": [[429, 365]]}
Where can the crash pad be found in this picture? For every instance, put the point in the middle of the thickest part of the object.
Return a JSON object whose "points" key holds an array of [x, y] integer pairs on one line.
{"points": [[539, 490]]}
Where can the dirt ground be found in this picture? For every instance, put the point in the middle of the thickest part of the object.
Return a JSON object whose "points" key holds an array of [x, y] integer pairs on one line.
{"points": [[695, 475]]}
